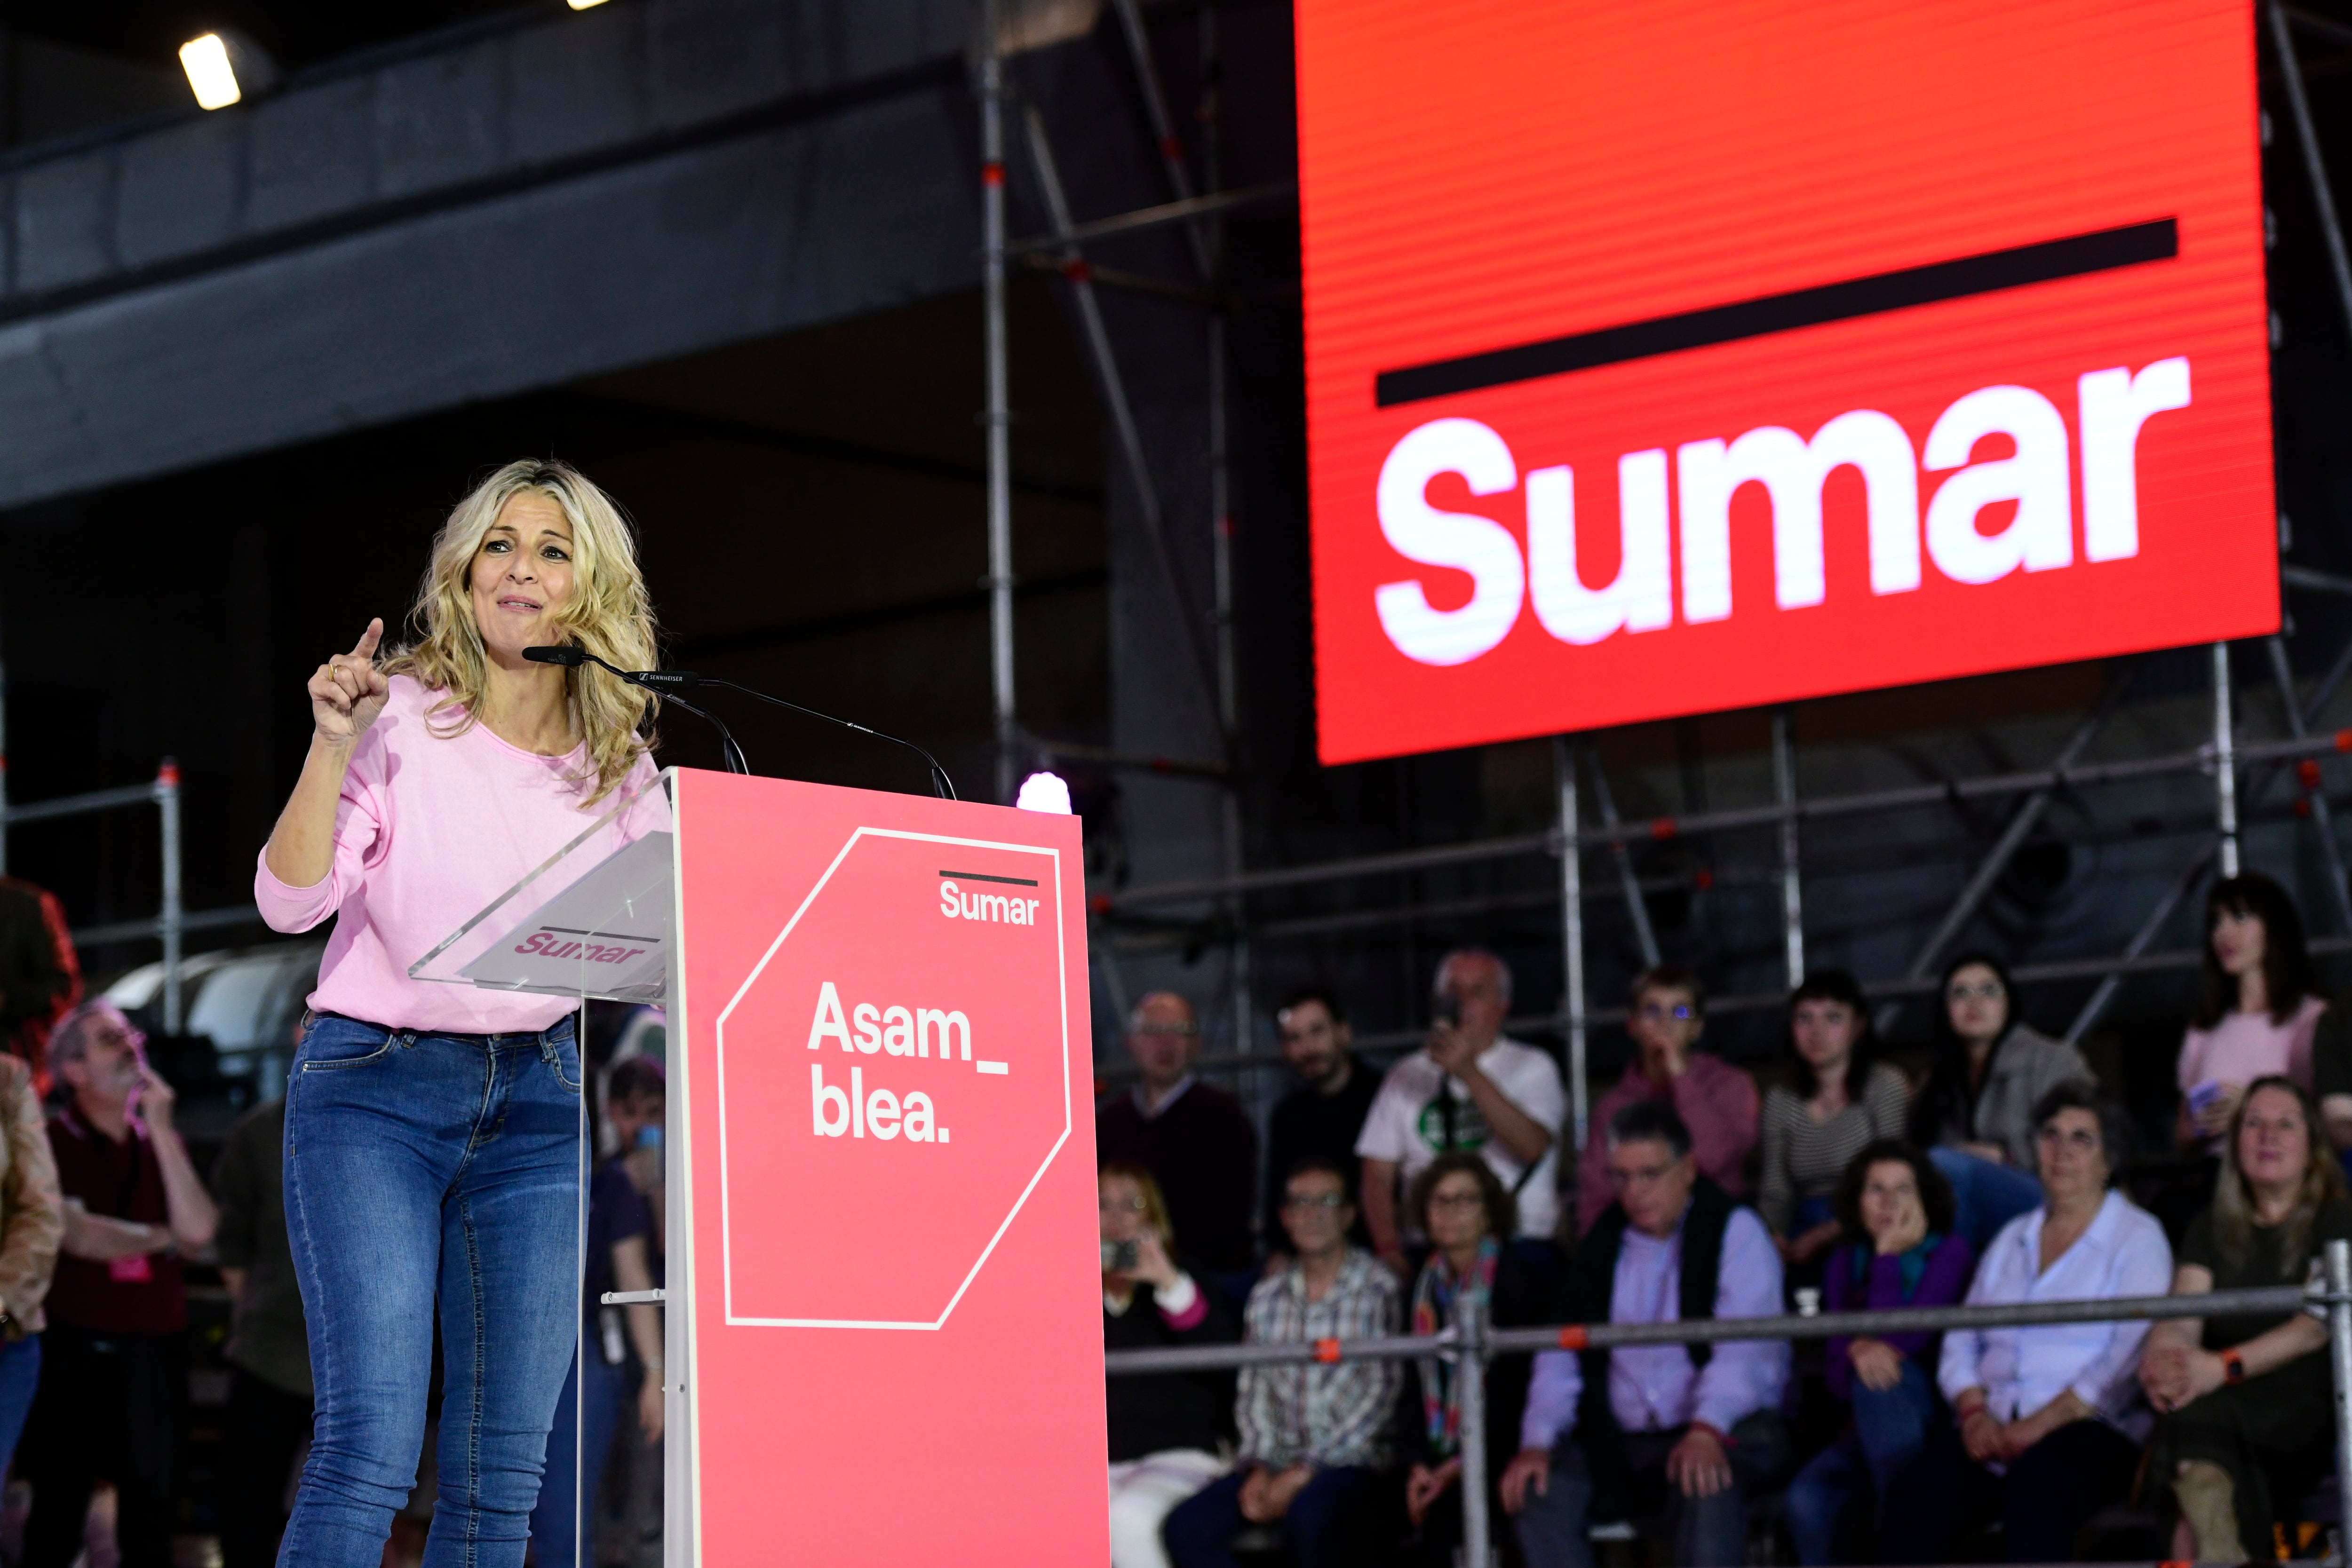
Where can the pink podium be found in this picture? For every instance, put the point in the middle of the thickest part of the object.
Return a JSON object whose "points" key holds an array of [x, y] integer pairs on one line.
{"points": [[880, 1308]]}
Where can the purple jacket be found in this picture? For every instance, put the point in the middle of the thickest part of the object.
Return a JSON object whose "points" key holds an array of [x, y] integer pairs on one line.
{"points": [[1943, 1279]]}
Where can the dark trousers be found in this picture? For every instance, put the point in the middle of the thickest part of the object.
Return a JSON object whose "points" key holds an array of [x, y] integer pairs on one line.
{"points": [[107, 1411], [2051, 1491], [1700, 1531], [266, 1427], [1326, 1527]]}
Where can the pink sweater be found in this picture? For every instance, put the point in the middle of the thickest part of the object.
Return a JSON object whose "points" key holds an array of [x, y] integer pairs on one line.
{"points": [[429, 829]]}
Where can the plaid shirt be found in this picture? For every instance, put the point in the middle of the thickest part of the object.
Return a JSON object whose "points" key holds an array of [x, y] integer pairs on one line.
{"points": [[1325, 1415]]}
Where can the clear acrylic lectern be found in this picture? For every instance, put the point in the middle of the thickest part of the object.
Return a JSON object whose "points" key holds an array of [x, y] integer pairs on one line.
{"points": [[597, 920]]}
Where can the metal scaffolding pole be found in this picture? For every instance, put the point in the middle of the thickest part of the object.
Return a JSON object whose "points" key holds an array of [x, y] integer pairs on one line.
{"points": [[1155, 106], [1637, 908], [1469, 1358], [1122, 413], [2225, 763], [999, 416], [2321, 817], [1571, 941], [1208, 252], [1813, 808], [2029, 815], [2339, 1359], [172, 920], [2111, 983], [2331, 227], [1792, 900]]}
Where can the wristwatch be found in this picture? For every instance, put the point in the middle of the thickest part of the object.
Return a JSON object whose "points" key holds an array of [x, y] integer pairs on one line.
{"points": [[2234, 1367]]}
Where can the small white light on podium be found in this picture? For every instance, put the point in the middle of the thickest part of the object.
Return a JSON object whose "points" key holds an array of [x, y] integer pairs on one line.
{"points": [[582, 5], [1043, 792], [210, 75]]}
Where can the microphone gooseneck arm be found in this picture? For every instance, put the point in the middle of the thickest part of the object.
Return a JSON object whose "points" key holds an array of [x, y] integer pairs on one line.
{"points": [[661, 682], [942, 785], [669, 682]]}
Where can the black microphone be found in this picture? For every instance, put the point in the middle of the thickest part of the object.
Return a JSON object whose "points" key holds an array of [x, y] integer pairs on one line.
{"points": [[660, 681], [668, 681]]}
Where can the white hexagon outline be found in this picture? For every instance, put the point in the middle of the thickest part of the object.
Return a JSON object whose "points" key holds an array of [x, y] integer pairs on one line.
{"points": [[1061, 973]]}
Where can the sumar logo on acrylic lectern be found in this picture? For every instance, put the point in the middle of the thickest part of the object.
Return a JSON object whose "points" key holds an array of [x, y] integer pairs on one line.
{"points": [[888, 1100]]}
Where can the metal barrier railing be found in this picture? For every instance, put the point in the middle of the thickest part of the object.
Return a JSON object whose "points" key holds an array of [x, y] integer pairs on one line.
{"points": [[170, 922], [1470, 1342]]}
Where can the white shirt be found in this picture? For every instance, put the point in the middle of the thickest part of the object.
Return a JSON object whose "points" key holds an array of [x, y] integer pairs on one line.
{"points": [[1654, 1388], [2123, 1253], [1407, 1127]]}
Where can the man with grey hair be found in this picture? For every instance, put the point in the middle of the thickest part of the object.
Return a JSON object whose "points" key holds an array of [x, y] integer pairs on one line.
{"points": [[1469, 1088], [1195, 1140], [109, 1374]]}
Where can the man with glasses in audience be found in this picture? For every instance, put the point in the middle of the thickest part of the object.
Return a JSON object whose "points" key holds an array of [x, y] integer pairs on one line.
{"points": [[1314, 1439], [1324, 1113], [1195, 1140], [1665, 1017], [1689, 1432], [111, 1375], [1471, 1089]]}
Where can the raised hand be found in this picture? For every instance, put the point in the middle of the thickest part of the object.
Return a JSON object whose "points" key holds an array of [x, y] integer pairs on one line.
{"points": [[348, 691]]}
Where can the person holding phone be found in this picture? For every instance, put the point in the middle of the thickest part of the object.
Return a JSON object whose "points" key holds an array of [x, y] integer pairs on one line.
{"points": [[432, 1131], [1470, 1088], [1166, 1433], [111, 1374]]}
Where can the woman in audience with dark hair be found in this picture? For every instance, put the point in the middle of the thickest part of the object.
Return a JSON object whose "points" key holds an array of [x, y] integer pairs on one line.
{"points": [[1975, 1116], [1461, 1206], [2261, 1007], [1900, 1251], [1167, 1433], [2049, 1417], [2246, 1426], [1839, 1098]]}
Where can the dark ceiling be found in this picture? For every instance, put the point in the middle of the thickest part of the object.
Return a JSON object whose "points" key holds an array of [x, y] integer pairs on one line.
{"points": [[296, 33]]}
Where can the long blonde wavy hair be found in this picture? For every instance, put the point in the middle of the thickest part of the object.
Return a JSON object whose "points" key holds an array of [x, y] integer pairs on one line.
{"points": [[608, 614]]}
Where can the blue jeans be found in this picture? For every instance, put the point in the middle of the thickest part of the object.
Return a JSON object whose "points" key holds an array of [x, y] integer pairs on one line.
{"points": [[1323, 1528], [423, 1165], [562, 1525], [1890, 1428], [1984, 1196], [20, 1375]]}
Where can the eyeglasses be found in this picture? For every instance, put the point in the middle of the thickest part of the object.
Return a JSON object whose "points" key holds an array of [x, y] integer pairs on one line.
{"points": [[1183, 1030], [1457, 1200], [1982, 991], [2080, 1140], [1121, 1205], [1658, 1012], [1306, 1202]]}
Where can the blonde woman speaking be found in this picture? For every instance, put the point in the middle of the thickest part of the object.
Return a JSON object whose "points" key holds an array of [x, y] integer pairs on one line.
{"points": [[432, 1130]]}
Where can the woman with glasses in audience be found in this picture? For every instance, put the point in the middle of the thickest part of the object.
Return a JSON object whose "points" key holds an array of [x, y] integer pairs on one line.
{"points": [[2049, 1419], [2246, 1426], [1900, 1251], [1975, 1116], [1837, 1099], [1168, 1433], [1461, 1206]]}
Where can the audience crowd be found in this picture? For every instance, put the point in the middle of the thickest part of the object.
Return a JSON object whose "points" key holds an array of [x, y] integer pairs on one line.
{"points": [[2002, 1172], [1386, 1203]]}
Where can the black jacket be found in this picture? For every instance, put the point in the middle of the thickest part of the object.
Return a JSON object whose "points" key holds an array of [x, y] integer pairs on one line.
{"points": [[1177, 1410], [1529, 1290]]}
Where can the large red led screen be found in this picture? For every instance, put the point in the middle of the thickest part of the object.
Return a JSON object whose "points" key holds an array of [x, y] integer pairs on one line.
{"points": [[1665, 358]]}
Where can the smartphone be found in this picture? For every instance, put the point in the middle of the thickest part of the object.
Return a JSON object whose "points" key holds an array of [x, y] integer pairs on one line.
{"points": [[1445, 1008], [1119, 1257]]}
